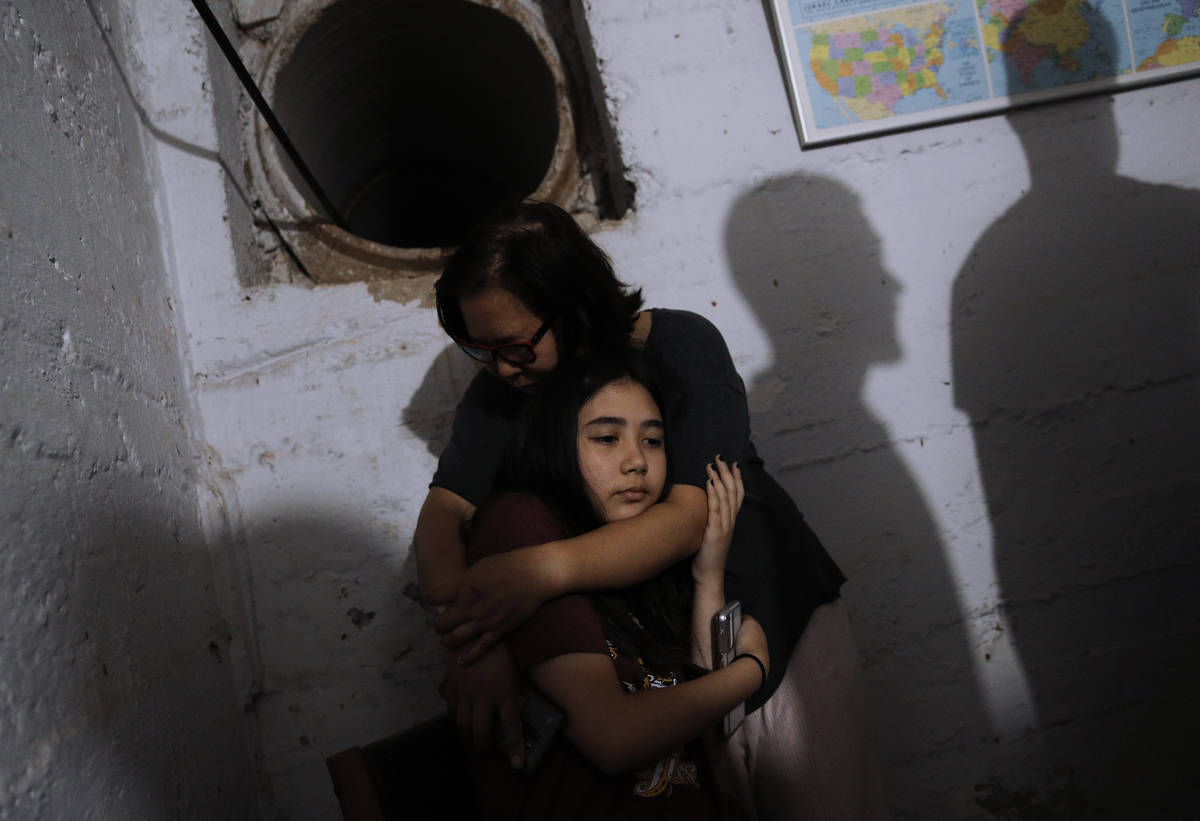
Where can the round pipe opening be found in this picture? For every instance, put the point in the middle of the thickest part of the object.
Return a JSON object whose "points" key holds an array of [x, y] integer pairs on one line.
{"points": [[418, 117]]}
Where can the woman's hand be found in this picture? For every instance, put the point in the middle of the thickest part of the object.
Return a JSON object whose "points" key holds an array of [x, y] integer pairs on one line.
{"points": [[495, 595], [725, 495]]}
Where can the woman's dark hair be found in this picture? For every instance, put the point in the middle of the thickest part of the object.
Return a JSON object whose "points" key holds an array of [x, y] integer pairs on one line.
{"points": [[651, 620], [538, 253]]}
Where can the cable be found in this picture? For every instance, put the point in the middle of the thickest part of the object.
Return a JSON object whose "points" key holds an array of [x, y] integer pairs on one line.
{"points": [[264, 108]]}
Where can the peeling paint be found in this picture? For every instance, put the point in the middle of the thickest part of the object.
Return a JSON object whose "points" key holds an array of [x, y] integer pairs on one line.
{"points": [[403, 291]]}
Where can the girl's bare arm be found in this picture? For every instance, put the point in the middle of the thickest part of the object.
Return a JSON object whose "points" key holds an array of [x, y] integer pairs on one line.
{"points": [[619, 731]]}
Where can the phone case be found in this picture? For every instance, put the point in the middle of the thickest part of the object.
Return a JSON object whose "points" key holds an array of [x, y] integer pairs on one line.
{"points": [[725, 626]]}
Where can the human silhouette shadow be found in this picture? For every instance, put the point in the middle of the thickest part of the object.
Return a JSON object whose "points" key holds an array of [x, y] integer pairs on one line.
{"points": [[1076, 354], [808, 264], [429, 415]]}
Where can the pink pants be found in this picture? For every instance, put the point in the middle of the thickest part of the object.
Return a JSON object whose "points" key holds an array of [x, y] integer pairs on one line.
{"points": [[805, 754]]}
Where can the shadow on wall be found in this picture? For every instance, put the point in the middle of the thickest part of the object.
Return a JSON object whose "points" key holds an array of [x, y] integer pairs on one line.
{"points": [[1076, 354], [430, 413], [125, 703], [361, 601], [808, 264], [346, 656]]}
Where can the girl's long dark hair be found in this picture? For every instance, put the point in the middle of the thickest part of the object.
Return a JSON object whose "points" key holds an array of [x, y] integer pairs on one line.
{"points": [[651, 620]]}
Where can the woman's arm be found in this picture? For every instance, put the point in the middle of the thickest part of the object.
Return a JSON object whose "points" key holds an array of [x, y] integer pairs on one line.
{"points": [[438, 544], [618, 731], [499, 592], [488, 688], [630, 551]]}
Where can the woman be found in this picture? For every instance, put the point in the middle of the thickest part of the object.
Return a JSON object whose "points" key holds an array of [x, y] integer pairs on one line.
{"points": [[593, 452], [526, 291]]}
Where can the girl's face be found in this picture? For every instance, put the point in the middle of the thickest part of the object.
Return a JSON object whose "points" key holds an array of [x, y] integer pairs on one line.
{"points": [[621, 453], [495, 317]]}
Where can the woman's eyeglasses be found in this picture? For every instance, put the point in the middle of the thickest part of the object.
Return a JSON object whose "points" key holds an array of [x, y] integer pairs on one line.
{"points": [[514, 353]]}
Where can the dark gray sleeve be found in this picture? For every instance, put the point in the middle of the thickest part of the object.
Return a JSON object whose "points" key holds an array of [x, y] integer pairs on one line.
{"points": [[710, 416], [484, 422]]}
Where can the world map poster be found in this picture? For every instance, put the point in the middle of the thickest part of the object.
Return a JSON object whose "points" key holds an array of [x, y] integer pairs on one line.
{"points": [[860, 67]]}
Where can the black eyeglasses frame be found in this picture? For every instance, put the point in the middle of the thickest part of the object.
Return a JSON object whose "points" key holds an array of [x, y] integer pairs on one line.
{"points": [[490, 353]]}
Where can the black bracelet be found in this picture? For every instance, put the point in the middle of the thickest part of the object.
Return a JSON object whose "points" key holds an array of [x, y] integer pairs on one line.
{"points": [[762, 668]]}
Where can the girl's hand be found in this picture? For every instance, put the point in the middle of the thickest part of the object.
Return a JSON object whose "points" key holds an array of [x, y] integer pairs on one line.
{"points": [[725, 494]]}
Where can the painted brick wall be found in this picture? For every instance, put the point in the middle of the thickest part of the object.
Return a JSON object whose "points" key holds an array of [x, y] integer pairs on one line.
{"points": [[116, 699]]}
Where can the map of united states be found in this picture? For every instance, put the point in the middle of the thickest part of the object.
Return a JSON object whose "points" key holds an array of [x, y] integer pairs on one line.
{"points": [[869, 63]]}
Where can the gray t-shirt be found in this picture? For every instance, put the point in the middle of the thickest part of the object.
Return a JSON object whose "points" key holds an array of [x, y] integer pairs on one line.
{"points": [[777, 567]]}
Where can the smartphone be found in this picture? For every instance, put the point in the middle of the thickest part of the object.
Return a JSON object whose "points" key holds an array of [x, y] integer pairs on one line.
{"points": [[540, 721], [725, 626]]}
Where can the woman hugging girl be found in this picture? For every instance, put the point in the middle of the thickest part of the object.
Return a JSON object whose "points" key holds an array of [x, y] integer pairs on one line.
{"points": [[527, 294]]}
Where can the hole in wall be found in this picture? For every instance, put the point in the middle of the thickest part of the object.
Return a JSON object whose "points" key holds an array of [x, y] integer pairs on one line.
{"points": [[418, 117]]}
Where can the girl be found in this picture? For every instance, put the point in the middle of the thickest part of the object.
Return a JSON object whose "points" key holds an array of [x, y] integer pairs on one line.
{"points": [[594, 453], [526, 291]]}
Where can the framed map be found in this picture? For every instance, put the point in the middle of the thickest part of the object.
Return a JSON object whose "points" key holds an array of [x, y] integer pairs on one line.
{"points": [[860, 67]]}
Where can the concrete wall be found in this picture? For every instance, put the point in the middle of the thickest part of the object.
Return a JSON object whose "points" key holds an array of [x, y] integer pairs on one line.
{"points": [[971, 354], [116, 699]]}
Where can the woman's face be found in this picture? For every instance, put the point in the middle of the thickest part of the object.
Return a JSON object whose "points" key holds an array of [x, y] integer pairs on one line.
{"points": [[621, 453], [495, 317]]}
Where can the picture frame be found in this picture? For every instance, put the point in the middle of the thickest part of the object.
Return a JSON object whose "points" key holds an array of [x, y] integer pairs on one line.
{"points": [[857, 68]]}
